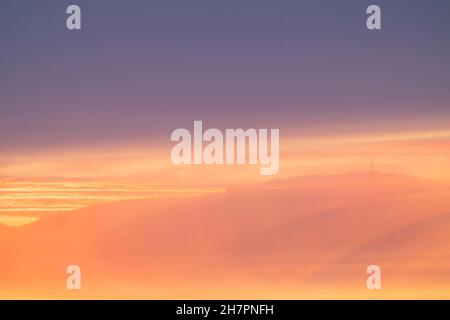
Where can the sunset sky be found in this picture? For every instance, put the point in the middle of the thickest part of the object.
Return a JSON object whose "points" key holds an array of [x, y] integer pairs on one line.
{"points": [[138, 70], [101, 103], [86, 116]]}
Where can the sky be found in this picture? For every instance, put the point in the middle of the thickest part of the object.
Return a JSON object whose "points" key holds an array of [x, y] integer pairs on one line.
{"points": [[86, 175], [86, 113], [139, 69]]}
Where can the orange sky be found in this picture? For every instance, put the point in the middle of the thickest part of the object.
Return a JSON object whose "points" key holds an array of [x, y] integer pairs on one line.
{"points": [[98, 205], [36, 183]]}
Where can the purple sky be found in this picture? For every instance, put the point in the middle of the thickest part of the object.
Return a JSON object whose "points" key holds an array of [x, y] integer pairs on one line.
{"points": [[139, 69]]}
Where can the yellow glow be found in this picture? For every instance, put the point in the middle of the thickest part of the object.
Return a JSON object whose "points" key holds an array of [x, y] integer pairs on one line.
{"points": [[16, 221]]}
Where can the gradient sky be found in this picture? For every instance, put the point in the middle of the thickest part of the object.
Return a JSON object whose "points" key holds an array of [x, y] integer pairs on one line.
{"points": [[85, 170], [139, 69]]}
